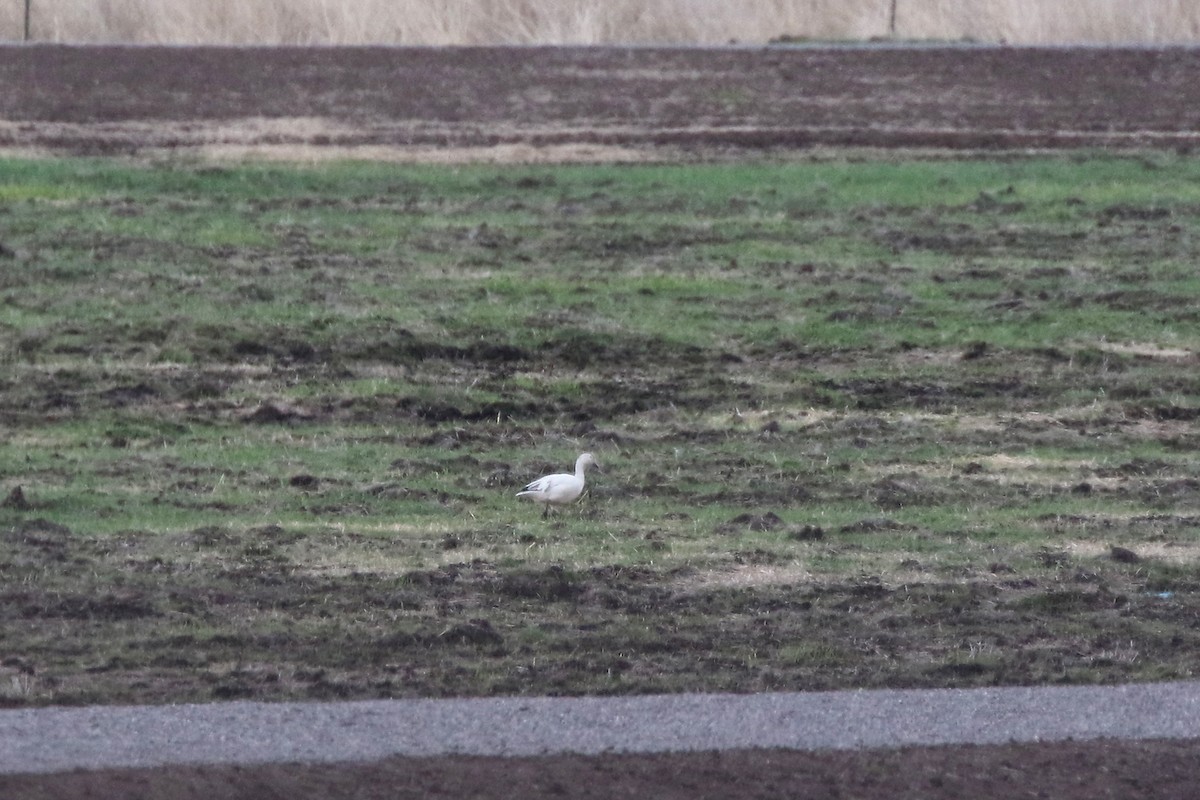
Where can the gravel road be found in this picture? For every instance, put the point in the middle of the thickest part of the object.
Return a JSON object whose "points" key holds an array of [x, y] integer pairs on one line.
{"points": [[60, 739]]}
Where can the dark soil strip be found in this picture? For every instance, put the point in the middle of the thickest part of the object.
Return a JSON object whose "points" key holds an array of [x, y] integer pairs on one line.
{"points": [[123, 99], [1129, 770]]}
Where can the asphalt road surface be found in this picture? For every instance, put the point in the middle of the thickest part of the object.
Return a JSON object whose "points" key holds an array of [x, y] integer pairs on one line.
{"points": [[50, 740]]}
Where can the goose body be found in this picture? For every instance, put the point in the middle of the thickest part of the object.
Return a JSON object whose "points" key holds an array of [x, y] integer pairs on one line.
{"points": [[561, 488]]}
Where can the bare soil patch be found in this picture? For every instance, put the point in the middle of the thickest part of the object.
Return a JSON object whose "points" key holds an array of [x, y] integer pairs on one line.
{"points": [[1083, 771], [570, 103]]}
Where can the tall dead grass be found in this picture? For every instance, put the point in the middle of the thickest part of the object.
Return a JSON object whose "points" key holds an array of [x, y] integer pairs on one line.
{"points": [[470, 22]]}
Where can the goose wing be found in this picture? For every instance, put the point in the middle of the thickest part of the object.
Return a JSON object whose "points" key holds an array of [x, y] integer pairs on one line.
{"points": [[555, 488], [547, 484], [541, 485]]}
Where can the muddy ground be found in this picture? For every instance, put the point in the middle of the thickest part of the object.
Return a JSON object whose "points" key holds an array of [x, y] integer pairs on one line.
{"points": [[570, 104]]}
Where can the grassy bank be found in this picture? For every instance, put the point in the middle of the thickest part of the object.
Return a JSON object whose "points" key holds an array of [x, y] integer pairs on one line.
{"points": [[871, 423]]}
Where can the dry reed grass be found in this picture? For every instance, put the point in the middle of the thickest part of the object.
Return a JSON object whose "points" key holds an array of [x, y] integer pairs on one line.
{"points": [[476, 22]]}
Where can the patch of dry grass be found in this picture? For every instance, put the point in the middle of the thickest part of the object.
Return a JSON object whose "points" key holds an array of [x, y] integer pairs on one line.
{"points": [[476, 22]]}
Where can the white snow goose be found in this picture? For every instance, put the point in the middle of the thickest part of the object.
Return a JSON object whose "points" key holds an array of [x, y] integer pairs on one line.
{"points": [[559, 489]]}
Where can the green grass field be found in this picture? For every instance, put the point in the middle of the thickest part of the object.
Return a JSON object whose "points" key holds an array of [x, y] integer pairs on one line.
{"points": [[864, 421]]}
